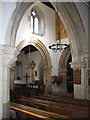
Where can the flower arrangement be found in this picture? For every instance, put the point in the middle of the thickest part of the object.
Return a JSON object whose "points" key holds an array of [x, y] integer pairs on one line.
{"points": [[57, 79]]}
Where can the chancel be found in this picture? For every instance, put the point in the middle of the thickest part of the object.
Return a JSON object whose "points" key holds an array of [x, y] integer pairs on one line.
{"points": [[38, 82]]}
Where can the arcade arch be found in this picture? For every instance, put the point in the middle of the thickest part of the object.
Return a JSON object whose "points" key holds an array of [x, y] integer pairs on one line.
{"points": [[74, 27], [45, 56]]}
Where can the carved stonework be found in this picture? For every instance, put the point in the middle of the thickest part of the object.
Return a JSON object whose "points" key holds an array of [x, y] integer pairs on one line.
{"points": [[76, 65], [9, 55], [84, 59]]}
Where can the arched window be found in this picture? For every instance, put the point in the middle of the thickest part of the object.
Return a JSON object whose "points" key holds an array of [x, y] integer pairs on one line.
{"points": [[34, 22], [37, 21]]}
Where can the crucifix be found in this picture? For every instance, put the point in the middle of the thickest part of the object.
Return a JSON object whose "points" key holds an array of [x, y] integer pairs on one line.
{"points": [[26, 77]]}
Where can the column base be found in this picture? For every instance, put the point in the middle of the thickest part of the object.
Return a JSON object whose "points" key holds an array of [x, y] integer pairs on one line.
{"points": [[81, 93], [6, 110]]}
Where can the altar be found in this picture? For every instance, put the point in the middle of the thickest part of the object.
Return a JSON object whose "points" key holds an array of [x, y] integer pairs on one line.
{"points": [[30, 90], [27, 85]]}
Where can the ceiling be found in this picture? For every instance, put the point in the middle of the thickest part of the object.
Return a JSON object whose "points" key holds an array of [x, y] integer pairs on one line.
{"points": [[49, 5]]}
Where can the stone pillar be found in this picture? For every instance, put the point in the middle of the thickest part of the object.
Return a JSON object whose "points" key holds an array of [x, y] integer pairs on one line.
{"points": [[1, 104], [9, 55], [85, 75], [77, 85], [81, 87], [6, 90], [45, 74], [47, 79], [12, 77], [64, 82]]}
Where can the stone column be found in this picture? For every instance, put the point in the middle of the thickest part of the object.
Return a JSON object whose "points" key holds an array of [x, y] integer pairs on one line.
{"points": [[1, 104], [81, 87], [12, 77], [64, 82], [77, 85], [85, 75], [8, 57], [47, 79], [6, 90]]}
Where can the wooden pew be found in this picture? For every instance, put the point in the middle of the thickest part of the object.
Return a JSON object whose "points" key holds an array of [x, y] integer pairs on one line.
{"points": [[34, 112], [67, 100], [62, 94], [66, 110], [44, 105]]}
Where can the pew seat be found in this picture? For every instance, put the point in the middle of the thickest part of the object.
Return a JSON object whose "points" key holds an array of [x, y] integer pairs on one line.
{"points": [[35, 112], [67, 110], [67, 100]]}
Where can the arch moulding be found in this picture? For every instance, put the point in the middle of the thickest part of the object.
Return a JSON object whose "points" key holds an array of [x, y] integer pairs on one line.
{"points": [[70, 18], [73, 24], [44, 53], [62, 66]]}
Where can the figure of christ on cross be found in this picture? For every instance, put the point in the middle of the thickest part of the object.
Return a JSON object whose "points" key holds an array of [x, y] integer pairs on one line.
{"points": [[26, 77]]}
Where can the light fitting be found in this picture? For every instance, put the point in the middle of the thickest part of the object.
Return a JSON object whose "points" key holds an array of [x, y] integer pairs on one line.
{"points": [[58, 46]]}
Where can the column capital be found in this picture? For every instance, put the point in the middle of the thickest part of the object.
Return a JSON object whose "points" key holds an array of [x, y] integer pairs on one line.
{"points": [[76, 65], [9, 55], [85, 60], [83, 63]]}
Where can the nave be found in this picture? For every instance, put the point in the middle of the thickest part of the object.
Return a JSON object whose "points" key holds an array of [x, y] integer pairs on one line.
{"points": [[49, 106], [45, 42]]}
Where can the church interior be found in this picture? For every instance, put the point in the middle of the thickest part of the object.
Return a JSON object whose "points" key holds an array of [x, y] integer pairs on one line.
{"points": [[44, 63]]}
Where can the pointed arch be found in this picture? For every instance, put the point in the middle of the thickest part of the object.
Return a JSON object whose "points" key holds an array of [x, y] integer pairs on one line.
{"points": [[70, 18], [62, 66], [44, 53]]}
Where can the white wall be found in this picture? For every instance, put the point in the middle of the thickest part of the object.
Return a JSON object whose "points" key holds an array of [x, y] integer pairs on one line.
{"points": [[6, 10], [25, 60], [1, 41], [37, 59], [24, 28], [49, 37]]}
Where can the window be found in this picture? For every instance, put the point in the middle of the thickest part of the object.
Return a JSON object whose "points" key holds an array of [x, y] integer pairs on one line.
{"points": [[36, 18], [34, 22]]}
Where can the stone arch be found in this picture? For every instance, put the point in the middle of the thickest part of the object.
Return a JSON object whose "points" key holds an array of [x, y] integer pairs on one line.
{"points": [[70, 19], [62, 66], [73, 25], [74, 28], [44, 53]]}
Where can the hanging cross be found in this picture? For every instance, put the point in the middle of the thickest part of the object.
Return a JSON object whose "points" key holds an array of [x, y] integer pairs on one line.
{"points": [[26, 78]]}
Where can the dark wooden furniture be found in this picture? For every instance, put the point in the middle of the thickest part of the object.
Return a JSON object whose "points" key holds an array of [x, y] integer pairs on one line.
{"points": [[32, 90], [67, 110], [34, 112]]}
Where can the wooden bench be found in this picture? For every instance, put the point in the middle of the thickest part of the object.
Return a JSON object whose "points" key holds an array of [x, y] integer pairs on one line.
{"points": [[66, 110], [67, 100], [35, 112], [62, 94]]}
